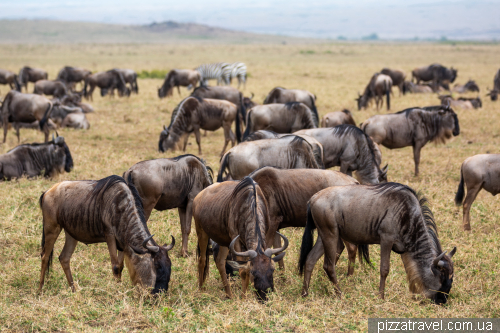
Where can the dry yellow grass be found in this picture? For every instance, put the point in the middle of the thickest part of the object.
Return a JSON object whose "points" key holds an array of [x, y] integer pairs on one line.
{"points": [[126, 130]]}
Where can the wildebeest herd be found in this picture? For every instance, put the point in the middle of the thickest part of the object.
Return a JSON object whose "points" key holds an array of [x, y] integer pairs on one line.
{"points": [[273, 177]]}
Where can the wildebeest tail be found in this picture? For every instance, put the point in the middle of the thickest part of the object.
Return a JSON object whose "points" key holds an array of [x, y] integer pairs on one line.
{"points": [[243, 110], [315, 111], [223, 166], [248, 124], [364, 253], [238, 119], [85, 85], [459, 197], [46, 116], [388, 96], [307, 240], [43, 239]]}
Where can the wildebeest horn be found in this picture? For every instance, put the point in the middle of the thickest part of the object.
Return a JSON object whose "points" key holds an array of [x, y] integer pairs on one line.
{"points": [[57, 134], [437, 262], [452, 252], [270, 252], [53, 139], [252, 96], [171, 246], [149, 247], [250, 253]]}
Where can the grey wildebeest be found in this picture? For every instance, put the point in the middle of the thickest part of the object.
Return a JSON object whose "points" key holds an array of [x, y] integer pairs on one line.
{"points": [[351, 149], [391, 215], [336, 118], [178, 78], [193, 114], [418, 88], [283, 95], [35, 159], [288, 152], [471, 85], [25, 108], [168, 183], [97, 211], [413, 127], [66, 116], [72, 75], [461, 102], [280, 118], [436, 73], [230, 94], [107, 81], [477, 172], [28, 74], [287, 192], [398, 78], [47, 87], [496, 87], [235, 214], [10, 78], [130, 77], [379, 85]]}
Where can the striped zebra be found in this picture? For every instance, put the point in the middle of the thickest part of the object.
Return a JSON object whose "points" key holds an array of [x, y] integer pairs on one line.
{"points": [[219, 71], [238, 70]]}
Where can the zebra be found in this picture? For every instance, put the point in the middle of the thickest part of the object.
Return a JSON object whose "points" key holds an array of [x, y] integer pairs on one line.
{"points": [[219, 71], [238, 70]]}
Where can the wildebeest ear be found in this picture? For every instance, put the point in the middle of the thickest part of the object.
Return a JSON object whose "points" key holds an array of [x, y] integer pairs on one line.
{"points": [[384, 169], [237, 264], [452, 252], [279, 257]]}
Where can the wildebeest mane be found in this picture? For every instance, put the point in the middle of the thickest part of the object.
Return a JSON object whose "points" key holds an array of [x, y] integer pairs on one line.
{"points": [[208, 169]]}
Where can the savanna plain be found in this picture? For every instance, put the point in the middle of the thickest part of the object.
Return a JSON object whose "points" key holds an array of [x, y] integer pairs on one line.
{"points": [[125, 131]]}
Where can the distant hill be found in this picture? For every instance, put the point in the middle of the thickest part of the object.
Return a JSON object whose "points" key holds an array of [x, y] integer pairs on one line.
{"points": [[48, 31]]}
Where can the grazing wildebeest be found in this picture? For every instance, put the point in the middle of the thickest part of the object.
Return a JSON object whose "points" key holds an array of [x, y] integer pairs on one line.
{"points": [[236, 212], [471, 85], [391, 215], [10, 78], [398, 78], [28, 74], [288, 152], [25, 108], [72, 75], [66, 116], [47, 87], [130, 77], [418, 88], [438, 74], [35, 159], [280, 118], [107, 81], [287, 192], [379, 85], [496, 87], [461, 102], [230, 94], [478, 172], [193, 114], [248, 103], [97, 211], [177, 78], [73, 100], [413, 127], [283, 95], [336, 118], [351, 149], [168, 183]]}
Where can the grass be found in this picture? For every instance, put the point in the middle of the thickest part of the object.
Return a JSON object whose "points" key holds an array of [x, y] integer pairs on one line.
{"points": [[126, 130]]}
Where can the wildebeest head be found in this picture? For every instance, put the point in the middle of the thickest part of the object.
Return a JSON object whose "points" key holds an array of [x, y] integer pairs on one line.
{"points": [[453, 74], [248, 103], [165, 143], [442, 269], [260, 266], [150, 266], [68, 159], [493, 94], [450, 124], [362, 101]]}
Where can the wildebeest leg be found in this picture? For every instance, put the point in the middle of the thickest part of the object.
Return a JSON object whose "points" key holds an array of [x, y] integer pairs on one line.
{"points": [[115, 265], [5, 127], [221, 266], [185, 227], [344, 168], [50, 237], [65, 257], [276, 245], [179, 90], [331, 239], [385, 261], [203, 269], [351, 252], [46, 131], [469, 199], [198, 138], [18, 134], [312, 258], [205, 133], [416, 156], [186, 138], [121, 255], [228, 135]]}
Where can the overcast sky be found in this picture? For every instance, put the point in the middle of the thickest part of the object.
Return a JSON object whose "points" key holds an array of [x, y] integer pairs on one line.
{"points": [[477, 19]]}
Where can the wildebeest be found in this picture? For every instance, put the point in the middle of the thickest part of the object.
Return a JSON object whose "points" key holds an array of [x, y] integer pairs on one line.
{"points": [[280, 118], [397, 76], [193, 114], [130, 77], [471, 85], [97, 211], [230, 94], [236, 214], [461, 102], [413, 127], [73, 100], [288, 152], [391, 215], [10, 78], [168, 183], [379, 85], [47, 87], [496, 87], [66, 116], [28, 74], [35, 159], [25, 108], [287, 192], [417, 88], [477, 172], [437, 73], [351, 149], [107, 81], [177, 78], [336, 118], [72, 75], [283, 95]]}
